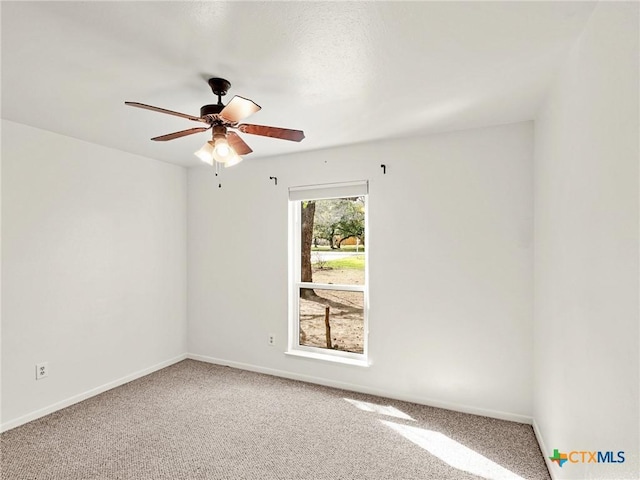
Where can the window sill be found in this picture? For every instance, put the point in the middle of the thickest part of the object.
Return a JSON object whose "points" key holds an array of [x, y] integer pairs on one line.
{"points": [[328, 358]]}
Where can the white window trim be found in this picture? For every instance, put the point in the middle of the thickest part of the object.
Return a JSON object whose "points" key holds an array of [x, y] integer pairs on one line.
{"points": [[322, 192], [329, 358]]}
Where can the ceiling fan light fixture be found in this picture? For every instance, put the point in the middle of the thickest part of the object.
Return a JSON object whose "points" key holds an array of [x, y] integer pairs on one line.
{"points": [[222, 152], [206, 153]]}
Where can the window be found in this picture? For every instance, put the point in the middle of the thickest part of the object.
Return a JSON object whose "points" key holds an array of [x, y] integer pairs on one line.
{"points": [[328, 271]]}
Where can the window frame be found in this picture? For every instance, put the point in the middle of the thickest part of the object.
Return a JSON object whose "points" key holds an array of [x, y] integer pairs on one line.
{"points": [[295, 234]]}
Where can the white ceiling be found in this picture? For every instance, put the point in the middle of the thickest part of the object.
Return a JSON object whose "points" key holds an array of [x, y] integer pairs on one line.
{"points": [[344, 72]]}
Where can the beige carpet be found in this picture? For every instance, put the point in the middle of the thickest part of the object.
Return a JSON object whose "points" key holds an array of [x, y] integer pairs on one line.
{"points": [[199, 421]]}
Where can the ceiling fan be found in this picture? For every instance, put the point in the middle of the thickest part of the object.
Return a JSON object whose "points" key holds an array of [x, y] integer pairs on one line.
{"points": [[225, 147]]}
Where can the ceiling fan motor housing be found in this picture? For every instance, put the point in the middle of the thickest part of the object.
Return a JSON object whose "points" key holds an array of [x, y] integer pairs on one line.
{"points": [[213, 109]]}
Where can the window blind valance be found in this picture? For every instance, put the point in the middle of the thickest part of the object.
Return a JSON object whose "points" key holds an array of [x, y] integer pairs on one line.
{"points": [[329, 190]]}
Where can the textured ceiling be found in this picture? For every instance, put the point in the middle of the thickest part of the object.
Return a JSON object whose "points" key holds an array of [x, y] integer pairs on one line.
{"points": [[344, 72]]}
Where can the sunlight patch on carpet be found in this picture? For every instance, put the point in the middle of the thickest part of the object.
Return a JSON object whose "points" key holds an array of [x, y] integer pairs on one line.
{"points": [[381, 409], [453, 453]]}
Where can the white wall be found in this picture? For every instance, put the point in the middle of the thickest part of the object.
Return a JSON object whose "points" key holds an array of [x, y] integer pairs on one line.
{"points": [[93, 268], [451, 267], [586, 250]]}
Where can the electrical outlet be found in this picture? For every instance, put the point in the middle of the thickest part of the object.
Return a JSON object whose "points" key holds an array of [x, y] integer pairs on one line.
{"points": [[42, 370], [272, 339]]}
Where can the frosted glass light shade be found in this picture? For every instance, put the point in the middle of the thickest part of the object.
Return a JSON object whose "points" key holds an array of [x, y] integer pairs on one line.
{"points": [[205, 153], [234, 159]]}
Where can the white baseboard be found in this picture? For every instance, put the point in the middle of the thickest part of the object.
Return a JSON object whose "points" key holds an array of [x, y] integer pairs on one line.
{"points": [[543, 449], [513, 417], [88, 394], [278, 373]]}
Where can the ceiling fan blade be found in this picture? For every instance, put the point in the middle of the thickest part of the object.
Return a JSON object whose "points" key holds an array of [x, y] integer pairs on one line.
{"points": [[238, 144], [275, 132], [182, 133], [239, 108], [164, 110]]}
